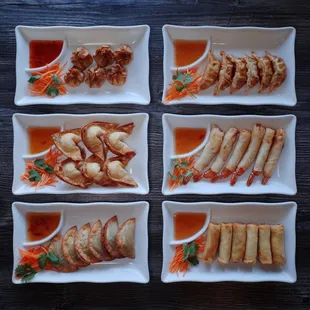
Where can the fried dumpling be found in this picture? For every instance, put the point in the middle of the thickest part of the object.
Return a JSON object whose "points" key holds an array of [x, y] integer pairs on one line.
{"points": [[74, 77], [56, 247], [104, 56], [226, 74], [279, 69], [81, 58], [108, 237], [240, 75], [115, 140], [211, 72], [69, 250], [67, 142], [115, 170], [123, 55], [95, 245], [69, 171], [265, 71], [252, 72], [81, 244], [125, 238], [95, 77], [117, 75], [93, 137]]}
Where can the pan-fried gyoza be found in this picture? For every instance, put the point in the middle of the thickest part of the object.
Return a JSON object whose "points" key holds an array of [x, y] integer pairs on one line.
{"points": [[240, 76], [252, 72]]}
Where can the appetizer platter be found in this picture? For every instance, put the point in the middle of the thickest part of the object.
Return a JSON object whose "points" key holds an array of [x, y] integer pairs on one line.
{"points": [[67, 65], [247, 242], [213, 154], [229, 65], [91, 242], [94, 153]]}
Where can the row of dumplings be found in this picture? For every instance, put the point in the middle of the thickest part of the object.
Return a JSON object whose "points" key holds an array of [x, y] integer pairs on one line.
{"points": [[99, 138]]}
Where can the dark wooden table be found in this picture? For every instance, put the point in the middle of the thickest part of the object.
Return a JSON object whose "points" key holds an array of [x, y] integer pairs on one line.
{"points": [[266, 13]]}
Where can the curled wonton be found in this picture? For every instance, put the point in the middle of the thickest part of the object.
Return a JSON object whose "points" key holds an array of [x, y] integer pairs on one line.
{"points": [[252, 72], [74, 77], [117, 75], [125, 238], [67, 143], [240, 75], [115, 140], [95, 77], [123, 56], [92, 136], [104, 56], [81, 58], [69, 172]]}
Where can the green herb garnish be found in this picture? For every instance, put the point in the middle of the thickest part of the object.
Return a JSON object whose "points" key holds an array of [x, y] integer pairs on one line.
{"points": [[40, 163], [173, 177], [34, 78], [34, 175], [190, 253], [25, 272], [56, 79], [49, 256], [52, 91]]}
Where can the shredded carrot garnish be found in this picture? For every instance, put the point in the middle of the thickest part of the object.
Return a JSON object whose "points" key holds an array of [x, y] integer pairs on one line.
{"points": [[31, 257], [177, 264], [47, 179], [48, 81], [184, 84]]}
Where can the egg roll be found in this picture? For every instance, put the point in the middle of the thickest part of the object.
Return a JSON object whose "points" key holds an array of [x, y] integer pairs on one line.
{"points": [[264, 246], [225, 243], [277, 244], [251, 244], [238, 242], [211, 246]]}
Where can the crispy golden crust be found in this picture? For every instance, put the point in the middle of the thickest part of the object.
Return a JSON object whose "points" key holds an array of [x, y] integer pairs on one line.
{"points": [[81, 58], [104, 56], [125, 238], [252, 72], [95, 77], [123, 55], [240, 76], [74, 77], [117, 75]]}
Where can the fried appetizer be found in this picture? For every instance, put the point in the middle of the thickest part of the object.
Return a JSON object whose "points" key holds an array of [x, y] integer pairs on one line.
{"points": [[238, 242], [95, 77], [247, 160], [252, 72], [264, 246], [67, 143], [240, 76], [95, 245], [56, 248], [225, 243], [115, 140], [108, 237], [211, 72], [212, 243], [93, 137], [226, 74], [104, 56], [81, 58], [81, 244], [279, 69], [68, 248], [123, 55], [251, 244], [265, 71], [209, 152], [74, 77], [125, 238], [117, 75], [262, 155], [277, 244], [69, 172], [274, 155]]}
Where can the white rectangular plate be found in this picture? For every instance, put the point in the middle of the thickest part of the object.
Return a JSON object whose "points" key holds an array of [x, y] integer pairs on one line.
{"points": [[236, 41], [137, 167], [283, 180], [246, 212], [136, 88], [119, 270]]}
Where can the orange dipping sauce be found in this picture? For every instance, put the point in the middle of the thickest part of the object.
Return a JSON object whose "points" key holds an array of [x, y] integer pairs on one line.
{"points": [[187, 224], [42, 52], [40, 138], [186, 51], [41, 225], [187, 139]]}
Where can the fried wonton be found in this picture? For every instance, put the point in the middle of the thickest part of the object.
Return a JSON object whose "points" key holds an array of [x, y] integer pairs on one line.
{"points": [[69, 250], [96, 247], [67, 142], [125, 238], [69, 172], [252, 72], [108, 237], [240, 75]]}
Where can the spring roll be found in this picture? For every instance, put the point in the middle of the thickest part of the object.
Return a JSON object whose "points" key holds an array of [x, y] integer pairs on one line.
{"points": [[264, 246], [238, 242], [251, 244], [277, 244], [225, 243], [213, 236]]}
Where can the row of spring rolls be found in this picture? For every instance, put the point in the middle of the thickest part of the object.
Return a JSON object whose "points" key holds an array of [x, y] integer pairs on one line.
{"points": [[238, 243], [262, 146]]}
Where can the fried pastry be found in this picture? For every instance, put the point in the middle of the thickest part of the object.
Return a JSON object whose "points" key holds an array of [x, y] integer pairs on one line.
{"points": [[240, 76]]}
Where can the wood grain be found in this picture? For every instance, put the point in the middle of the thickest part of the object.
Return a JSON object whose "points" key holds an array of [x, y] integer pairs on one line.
{"points": [[156, 13]]}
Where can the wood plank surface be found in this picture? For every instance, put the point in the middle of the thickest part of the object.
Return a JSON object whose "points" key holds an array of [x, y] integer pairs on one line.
{"points": [[156, 13]]}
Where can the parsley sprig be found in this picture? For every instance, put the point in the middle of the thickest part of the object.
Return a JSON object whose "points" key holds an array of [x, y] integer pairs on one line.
{"points": [[34, 175], [190, 253], [183, 79], [25, 272], [49, 256]]}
